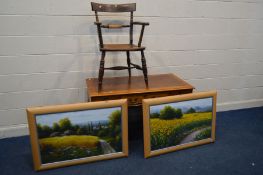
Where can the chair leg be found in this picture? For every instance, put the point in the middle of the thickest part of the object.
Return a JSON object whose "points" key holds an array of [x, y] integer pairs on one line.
{"points": [[144, 68], [129, 63], [101, 70]]}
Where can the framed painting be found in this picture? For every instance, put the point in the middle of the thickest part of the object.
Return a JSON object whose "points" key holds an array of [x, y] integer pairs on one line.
{"points": [[71, 134], [177, 122]]}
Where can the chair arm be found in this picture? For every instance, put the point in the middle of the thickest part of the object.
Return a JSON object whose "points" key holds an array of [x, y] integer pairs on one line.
{"points": [[97, 23], [141, 23]]}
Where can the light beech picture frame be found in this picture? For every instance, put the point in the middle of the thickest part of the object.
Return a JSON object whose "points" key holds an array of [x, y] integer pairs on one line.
{"points": [[65, 135], [177, 122]]}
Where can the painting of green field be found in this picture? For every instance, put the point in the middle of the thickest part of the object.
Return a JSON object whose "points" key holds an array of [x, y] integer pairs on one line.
{"points": [[73, 135], [180, 122]]}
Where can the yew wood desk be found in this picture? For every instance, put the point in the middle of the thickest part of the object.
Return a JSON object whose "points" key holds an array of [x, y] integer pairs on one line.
{"points": [[134, 89]]}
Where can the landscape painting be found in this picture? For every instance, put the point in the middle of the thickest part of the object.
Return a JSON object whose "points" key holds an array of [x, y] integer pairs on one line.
{"points": [[181, 123], [64, 135], [74, 135]]}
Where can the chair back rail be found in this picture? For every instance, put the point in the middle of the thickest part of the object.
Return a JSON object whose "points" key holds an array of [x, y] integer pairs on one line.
{"points": [[114, 8], [117, 8]]}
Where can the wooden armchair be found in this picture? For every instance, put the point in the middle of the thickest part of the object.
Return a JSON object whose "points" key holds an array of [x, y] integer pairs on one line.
{"points": [[120, 8]]}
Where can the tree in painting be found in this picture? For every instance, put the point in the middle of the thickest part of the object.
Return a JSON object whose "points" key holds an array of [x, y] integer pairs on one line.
{"points": [[169, 112]]}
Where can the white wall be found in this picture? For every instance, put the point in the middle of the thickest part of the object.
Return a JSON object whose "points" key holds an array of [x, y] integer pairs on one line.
{"points": [[49, 47]]}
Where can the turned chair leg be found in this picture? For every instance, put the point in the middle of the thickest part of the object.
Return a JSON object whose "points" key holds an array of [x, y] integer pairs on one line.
{"points": [[129, 63], [101, 70], [144, 68]]}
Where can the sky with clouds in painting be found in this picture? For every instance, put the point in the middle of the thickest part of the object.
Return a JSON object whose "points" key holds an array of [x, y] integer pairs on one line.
{"points": [[202, 103], [77, 117]]}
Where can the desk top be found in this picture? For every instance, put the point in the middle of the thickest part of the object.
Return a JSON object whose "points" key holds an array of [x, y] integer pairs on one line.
{"points": [[136, 85]]}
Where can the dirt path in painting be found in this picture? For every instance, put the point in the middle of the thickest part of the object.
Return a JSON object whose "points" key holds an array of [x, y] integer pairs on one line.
{"points": [[191, 137], [106, 148]]}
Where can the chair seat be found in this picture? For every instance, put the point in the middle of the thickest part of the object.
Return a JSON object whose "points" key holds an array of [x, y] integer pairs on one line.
{"points": [[121, 47]]}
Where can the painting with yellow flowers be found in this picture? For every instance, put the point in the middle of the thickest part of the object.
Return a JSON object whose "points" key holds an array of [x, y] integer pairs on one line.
{"points": [[177, 122]]}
